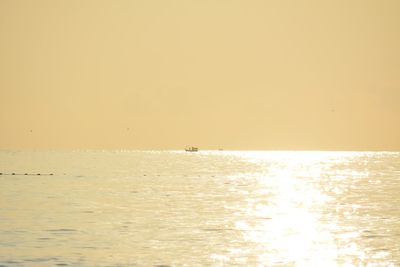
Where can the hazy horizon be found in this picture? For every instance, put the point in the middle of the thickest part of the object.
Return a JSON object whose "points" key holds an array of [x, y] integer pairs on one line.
{"points": [[235, 75]]}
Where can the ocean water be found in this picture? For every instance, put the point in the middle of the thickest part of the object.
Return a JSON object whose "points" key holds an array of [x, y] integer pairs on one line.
{"points": [[211, 208]]}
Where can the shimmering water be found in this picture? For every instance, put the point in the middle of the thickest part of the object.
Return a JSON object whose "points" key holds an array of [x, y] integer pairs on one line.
{"points": [[172, 208]]}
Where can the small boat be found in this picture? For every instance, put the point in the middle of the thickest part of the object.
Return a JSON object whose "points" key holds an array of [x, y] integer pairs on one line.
{"points": [[192, 149]]}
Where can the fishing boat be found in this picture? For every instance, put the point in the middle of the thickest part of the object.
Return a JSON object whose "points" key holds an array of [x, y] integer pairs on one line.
{"points": [[192, 149]]}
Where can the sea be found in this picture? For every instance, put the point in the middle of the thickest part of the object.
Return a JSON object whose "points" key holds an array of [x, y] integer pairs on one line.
{"points": [[206, 208]]}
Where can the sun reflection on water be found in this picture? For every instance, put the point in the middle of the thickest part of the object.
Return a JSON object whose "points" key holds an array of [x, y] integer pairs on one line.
{"points": [[290, 222]]}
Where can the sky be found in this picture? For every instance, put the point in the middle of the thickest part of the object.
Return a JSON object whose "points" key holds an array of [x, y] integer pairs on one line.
{"points": [[220, 74]]}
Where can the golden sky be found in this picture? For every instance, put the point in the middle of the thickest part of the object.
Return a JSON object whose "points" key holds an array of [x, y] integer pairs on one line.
{"points": [[250, 74]]}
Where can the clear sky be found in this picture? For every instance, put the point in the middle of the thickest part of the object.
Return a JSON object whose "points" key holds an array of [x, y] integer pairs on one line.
{"points": [[251, 74]]}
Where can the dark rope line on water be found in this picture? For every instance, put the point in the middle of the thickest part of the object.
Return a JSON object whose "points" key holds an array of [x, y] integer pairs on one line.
{"points": [[51, 174], [35, 174]]}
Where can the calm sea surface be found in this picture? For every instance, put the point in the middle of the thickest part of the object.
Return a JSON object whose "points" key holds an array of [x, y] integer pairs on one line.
{"points": [[173, 208]]}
